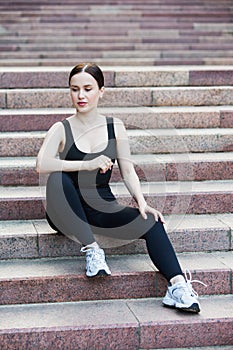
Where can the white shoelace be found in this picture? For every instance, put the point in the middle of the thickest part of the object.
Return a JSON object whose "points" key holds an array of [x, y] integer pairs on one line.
{"points": [[93, 254], [188, 278]]}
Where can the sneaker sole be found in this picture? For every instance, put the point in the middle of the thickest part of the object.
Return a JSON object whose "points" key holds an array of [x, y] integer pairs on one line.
{"points": [[194, 308], [99, 274]]}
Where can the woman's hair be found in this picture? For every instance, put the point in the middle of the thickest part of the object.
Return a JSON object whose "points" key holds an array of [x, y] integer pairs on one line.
{"points": [[90, 68]]}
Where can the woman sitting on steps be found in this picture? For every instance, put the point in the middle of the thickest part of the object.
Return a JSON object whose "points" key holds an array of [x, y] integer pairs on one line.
{"points": [[80, 203]]}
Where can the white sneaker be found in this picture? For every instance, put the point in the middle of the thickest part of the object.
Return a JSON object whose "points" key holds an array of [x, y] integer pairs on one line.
{"points": [[95, 262], [182, 296]]}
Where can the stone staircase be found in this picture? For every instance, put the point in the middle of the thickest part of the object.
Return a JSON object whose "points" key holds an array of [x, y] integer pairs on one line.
{"points": [[179, 121], [116, 32], [179, 118]]}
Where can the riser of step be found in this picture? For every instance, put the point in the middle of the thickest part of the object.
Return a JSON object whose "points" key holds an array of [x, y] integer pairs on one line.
{"points": [[116, 62], [121, 97], [133, 324], [173, 167], [188, 233], [172, 198], [60, 15], [155, 141], [200, 41], [126, 49], [64, 280], [112, 62], [119, 76], [133, 118]]}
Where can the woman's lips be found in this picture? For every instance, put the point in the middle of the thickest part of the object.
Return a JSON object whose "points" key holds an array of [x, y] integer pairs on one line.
{"points": [[82, 104]]}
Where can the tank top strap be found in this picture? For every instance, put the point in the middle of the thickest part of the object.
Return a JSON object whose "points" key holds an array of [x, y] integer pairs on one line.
{"points": [[69, 139], [111, 131]]}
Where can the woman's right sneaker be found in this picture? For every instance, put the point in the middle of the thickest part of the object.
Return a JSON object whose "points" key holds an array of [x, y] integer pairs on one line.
{"points": [[95, 262], [182, 296]]}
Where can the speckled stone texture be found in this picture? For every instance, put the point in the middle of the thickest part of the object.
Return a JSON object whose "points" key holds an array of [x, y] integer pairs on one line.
{"points": [[164, 329], [41, 77], [135, 276], [18, 239], [29, 120], [2, 99], [211, 77], [115, 325], [194, 96], [73, 326], [152, 77], [20, 144], [184, 197], [226, 119], [22, 209], [38, 98], [133, 117]]}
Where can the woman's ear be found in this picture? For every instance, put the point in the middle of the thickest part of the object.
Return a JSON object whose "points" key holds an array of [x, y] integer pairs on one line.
{"points": [[102, 91]]}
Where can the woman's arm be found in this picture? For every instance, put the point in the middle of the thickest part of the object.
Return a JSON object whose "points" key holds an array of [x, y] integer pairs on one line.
{"points": [[54, 142], [128, 172]]}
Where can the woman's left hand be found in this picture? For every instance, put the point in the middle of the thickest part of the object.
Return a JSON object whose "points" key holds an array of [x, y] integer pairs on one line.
{"points": [[147, 209]]}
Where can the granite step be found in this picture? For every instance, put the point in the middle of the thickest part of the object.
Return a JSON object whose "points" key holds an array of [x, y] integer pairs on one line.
{"points": [[115, 76], [190, 197], [22, 239], [147, 141], [133, 117], [63, 280], [121, 97], [142, 117], [173, 167], [125, 324], [47, 62]]}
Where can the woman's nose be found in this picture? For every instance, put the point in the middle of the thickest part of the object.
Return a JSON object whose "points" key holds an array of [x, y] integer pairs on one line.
{"points": [[81, 93]]}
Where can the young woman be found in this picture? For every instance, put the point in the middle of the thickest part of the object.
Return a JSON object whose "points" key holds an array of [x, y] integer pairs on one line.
{"points": [[80, 203]]}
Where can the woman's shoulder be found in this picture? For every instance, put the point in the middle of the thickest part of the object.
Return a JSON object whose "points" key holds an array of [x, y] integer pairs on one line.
{"points": [[119, 127], [58, 126]]}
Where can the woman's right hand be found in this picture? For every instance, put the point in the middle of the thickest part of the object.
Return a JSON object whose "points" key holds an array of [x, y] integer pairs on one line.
{"points": [[102, 162]]}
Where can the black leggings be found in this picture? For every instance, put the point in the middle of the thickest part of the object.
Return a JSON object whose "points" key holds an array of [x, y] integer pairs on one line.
{"points": [[100, 214]]}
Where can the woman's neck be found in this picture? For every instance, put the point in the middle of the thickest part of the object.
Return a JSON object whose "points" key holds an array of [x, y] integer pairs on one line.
{"points": [[88, 118]]}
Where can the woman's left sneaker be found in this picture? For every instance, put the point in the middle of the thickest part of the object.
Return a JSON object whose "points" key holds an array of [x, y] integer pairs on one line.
{"points": [[182, 296]]}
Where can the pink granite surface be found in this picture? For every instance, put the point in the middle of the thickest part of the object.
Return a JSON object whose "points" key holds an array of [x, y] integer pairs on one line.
{"points": [[21, 146], [211, 77], [169, 171], [192, 96], [78, 338], [151, 78], [22, 209], [197, 203], [226, 118], [132, 277], [17, 176], [168, 329], [2, 99], [38, 98], [29, 122], [42, 78]]}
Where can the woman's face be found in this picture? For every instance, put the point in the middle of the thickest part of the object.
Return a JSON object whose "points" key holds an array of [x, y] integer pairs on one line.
{"points": [[85, 92]]}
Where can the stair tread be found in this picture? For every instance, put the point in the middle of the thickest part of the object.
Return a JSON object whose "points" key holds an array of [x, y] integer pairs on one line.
{"points": [[120, 265], [119, 189], [106, 110], [123, 312], [132, 133], [13, 162], [182, 222]]}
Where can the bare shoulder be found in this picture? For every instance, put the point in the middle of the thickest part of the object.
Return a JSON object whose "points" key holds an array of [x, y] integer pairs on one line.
{"points": [[56, 134], [119, 128], [58, 126]]}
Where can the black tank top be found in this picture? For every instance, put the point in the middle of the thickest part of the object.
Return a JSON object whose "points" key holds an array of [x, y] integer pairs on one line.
{"points": [[85, 179]]}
